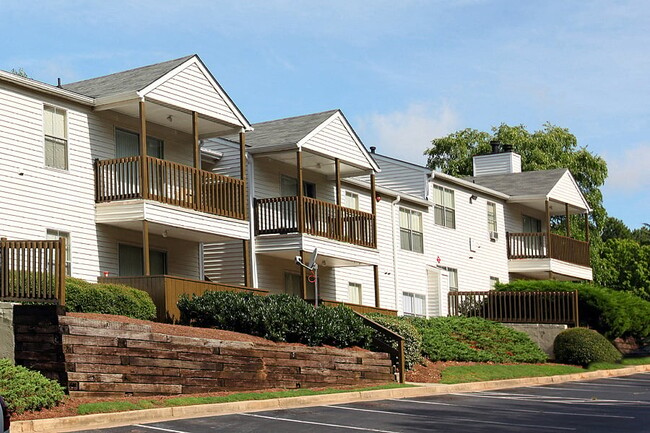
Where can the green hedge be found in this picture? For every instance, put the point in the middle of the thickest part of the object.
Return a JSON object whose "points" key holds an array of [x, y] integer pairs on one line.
{"points": [[582, 346], [275, 317], [474, 339], [27, 390], [612, 313], [84, 297], [412, 337]]}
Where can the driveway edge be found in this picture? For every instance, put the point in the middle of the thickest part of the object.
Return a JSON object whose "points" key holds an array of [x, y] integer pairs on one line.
{"points": [[83, 422]]}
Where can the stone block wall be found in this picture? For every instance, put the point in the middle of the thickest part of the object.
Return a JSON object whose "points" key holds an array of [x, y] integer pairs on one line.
{"points": [[110, 358]]}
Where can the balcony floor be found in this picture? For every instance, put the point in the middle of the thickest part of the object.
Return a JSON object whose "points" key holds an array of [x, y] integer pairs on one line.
{"points": [[545, 268]]}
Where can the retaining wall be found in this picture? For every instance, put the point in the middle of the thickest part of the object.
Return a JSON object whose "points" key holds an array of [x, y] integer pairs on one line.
{"points": [[542, 334], [109, 358]]}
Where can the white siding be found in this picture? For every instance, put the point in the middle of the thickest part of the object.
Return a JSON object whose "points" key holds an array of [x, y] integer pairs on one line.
{"points": [[486, 258], [228, 165], [497, 163], [400, 176], [224, 262], [514, 217], [335, 141], [268, 174], [566, 191], [190, 89]]}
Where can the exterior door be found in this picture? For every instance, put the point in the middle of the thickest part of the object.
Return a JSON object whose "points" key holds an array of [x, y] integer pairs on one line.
{"points": [[534, 246]]}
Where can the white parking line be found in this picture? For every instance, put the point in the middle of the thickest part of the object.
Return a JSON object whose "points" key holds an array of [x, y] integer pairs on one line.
{"points": [[455, 420], [541, 412], [556, 399], [159, 428], [620, 385], [627, 379], [275, 418]]}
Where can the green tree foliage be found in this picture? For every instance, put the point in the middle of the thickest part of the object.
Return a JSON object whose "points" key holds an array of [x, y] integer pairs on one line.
{"points": [[642, 234], [582, 346], [548, 148], [625, 265], [614, 228], [20, 72]]}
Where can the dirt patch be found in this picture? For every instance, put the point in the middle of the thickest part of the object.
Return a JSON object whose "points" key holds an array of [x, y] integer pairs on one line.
{"points": [[431, 372]]}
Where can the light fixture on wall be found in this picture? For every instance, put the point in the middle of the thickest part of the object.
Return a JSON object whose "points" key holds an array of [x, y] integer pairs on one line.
{"points": [[472, 198], [170, 118], [165, 234]]}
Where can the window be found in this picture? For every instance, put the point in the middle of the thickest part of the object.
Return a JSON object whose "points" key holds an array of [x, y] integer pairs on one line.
{"points": [[55, 129], [493, 281], [55, 235], [355, 295], [413, 304], [444, 207], [289, 187], [131, 261], [532, 225], [127, 143], [453, 278], [351, 200], [492, 217], [410, 230]]}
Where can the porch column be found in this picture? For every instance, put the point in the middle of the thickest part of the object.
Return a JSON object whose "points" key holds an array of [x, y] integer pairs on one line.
{"points": [[144, 175], [145, 248], [587, 227], [568, 220], [339, 216], [303, 276], [373, 202], [548, 228], [375, 269], [243, 200], [197, 161], [301, 192]]}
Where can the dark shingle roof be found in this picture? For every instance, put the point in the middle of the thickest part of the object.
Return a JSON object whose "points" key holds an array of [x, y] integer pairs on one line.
{"points": [[287, 131], [131, 80], [535, 183]]}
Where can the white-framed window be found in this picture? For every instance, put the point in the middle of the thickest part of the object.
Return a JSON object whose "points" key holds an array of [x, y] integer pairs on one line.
{"points": [[453, 278], [410, 230], [54, 235], [492, 217], [355, 293], [351, 200], [413, 304], [493, 282], [444, 207], [55, 130]]}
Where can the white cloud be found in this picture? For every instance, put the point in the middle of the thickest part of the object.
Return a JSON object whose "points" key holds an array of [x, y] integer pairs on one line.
{"points": [[629, 169], [408, 133]]}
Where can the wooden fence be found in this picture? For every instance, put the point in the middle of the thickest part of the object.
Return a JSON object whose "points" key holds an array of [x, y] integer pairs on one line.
{"points": [[32, 271], [169, 182], [517, 307], [279, 215]]}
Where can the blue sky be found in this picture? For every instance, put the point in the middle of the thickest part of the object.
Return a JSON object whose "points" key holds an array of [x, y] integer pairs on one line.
{"points": [[403, 72]]}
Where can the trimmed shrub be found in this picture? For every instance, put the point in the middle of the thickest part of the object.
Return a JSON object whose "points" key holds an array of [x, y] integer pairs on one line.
{"points": [[474, 339], [27, 390], [275, 317], [84, 297], [582, 346], [412, 337], [613, 313]]}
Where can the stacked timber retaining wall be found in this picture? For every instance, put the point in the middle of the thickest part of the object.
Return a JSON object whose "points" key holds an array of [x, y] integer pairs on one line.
{"points": [[109, 358]]}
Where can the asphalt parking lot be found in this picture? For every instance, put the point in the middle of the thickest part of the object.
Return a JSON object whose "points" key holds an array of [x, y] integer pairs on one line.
{"points": [[617, 404]]}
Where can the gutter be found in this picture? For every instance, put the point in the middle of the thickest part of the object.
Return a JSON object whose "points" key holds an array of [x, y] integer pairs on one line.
{"points": [[392, 224], [45, 88]]}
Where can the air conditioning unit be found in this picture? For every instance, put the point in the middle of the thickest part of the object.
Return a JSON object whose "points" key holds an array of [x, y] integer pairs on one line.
{"points": [[494, 236]]}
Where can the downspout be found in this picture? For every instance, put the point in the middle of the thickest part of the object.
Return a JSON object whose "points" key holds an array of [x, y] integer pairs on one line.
{"points": [[392, 224], [251, 213]]}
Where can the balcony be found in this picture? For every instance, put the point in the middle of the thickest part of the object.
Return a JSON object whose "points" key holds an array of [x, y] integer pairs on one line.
{"points": [[281, 215], [171, 183], [537, 246]]}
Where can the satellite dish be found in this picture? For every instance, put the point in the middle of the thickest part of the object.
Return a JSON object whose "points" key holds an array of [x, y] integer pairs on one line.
{"points": [[314, 256]]}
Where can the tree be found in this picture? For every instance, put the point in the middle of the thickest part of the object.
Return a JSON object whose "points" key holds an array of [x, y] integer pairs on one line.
{"points": [[548, 148], [625, 265], [614, 228], [20, 72], [642, 234]]}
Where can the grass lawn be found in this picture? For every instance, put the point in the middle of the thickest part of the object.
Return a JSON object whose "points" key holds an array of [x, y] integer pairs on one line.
{"points": [[121, 406], [484, 372]]}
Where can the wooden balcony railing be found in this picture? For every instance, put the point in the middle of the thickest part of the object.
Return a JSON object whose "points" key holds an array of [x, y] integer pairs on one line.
{"points": [[172, 183], [517, 307], [535, 246], [32, 271], [279, 215]]}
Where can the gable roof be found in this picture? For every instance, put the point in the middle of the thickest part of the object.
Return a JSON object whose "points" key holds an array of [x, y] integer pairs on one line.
{"points": [[285, 132], [125, 81], [527, 183]]}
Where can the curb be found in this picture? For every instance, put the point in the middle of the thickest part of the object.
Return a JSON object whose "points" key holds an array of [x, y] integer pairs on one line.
{"points": [[68, 424]]}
